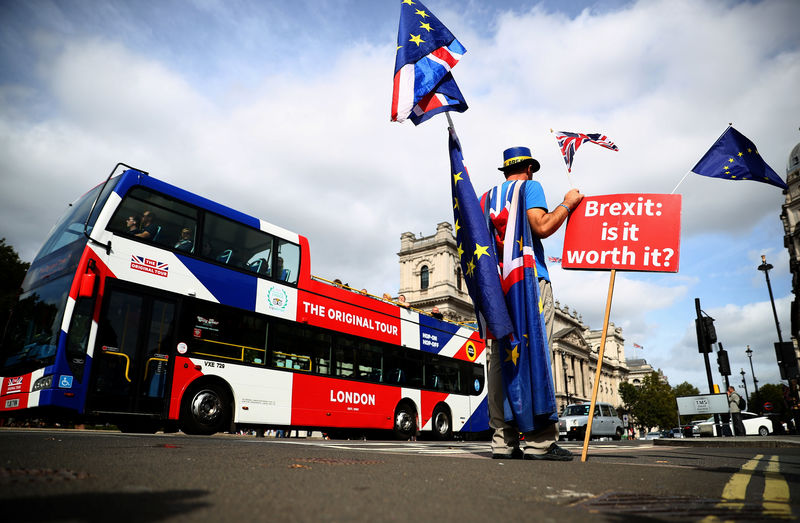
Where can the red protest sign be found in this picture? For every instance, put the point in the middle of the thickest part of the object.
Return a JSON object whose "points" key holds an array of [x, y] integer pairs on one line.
{"points": [[627, 232]]}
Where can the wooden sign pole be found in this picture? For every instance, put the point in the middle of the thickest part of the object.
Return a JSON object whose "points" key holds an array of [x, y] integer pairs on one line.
{"points": [[597, 375]]}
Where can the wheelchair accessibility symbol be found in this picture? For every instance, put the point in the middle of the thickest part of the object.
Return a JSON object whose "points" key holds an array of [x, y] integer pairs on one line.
{"points": [[65, 382]]}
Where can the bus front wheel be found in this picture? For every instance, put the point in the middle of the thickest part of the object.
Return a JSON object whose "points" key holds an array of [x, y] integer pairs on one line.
{"points": [[206, 410], [405, 421]]}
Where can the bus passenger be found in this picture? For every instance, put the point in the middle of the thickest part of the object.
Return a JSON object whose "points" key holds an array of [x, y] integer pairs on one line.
{"points": [[147, 229], [185, 241], [132, 225]]}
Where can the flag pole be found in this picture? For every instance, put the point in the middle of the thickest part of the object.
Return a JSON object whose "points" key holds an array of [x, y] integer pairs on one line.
{"points": [[569, 175], [598, 373], [730, 124]]}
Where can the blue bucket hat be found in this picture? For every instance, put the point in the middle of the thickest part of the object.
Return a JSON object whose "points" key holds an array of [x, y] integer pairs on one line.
{"points": [[517, 157]]}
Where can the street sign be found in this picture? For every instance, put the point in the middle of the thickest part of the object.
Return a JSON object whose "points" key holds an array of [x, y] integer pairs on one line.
{"points": [[767, 406]]}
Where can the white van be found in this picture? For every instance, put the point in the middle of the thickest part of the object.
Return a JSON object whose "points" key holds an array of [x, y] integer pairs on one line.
{"points": [[605, 423]]}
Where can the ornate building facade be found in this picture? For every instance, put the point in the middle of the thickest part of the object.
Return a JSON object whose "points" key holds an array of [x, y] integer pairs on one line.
{"points": [[790, 216], [430, 276]]}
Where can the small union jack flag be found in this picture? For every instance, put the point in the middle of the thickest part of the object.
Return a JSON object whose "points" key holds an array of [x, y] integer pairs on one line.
{"points": [[554, 259], [140, 263], [636, 345], [569, 143]]}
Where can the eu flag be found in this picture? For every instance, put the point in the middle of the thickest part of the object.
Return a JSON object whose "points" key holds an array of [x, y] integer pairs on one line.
{"points": [[426, 52], [476, 250], [734, 157]]}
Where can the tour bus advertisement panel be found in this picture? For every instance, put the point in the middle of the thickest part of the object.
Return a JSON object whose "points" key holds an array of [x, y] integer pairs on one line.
{"points": [[449, 339], [345, 317]]}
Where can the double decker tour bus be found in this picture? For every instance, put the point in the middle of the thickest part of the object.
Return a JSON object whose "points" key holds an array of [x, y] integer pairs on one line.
{"points": [[204, 318]]}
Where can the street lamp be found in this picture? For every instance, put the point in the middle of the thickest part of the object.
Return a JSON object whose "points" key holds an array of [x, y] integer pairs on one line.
{"points": [[766, 267], [755, 381], [744, 382]]}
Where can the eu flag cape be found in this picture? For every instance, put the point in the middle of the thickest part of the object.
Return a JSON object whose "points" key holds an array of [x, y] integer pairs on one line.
{"points": [[527, 373]]}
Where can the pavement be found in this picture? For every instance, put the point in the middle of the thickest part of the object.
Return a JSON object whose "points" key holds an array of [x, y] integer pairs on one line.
{"points": [[772, 441]]}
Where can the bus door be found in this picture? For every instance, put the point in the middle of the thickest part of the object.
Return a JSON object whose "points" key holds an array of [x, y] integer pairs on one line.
{"points": [[133, 351]]}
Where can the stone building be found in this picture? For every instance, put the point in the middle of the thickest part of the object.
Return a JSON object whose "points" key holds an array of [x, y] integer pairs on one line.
{"points": [[638, 368], [430, 275], [790, 216]]}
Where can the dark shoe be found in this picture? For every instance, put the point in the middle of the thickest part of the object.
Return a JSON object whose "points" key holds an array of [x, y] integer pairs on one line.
{"points": [[514, 454], [554, 453]]}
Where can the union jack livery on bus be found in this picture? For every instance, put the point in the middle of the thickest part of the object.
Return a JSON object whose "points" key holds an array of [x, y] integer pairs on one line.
{"points": [[151, 307]]}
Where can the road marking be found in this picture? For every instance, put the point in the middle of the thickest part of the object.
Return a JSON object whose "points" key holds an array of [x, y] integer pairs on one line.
{"points": [[775, 500], [776, 492]]}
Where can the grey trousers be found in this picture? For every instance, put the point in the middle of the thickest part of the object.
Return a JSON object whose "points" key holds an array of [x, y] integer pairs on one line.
{"points": [[506, 437]]}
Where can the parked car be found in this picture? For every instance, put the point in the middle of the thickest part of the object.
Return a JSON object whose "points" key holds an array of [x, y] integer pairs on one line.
{"points": [[754, 425], [677, 432], [605, 423], [656, 434]]}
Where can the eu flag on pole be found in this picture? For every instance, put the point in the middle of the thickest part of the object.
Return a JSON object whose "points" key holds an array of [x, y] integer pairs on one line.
{"points": [[734, 157], [527, 374], [476, 250], [426, 52]]}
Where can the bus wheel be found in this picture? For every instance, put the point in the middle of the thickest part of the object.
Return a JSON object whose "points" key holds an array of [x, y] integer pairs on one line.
{"points": [[442, 424], [206, 410], [405, 424]]}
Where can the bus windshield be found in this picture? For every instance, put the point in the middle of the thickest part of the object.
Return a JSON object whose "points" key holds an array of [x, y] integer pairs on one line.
{"points": [[32, 338]]}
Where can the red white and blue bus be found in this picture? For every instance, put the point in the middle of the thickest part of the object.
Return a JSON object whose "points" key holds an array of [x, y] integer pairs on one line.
{"points": [[206, 319]]}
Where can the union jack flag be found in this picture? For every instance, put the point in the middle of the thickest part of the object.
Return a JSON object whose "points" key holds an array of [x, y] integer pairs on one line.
{"points": [[569, 143], [554, 259], [426, 52], [636, 345]]}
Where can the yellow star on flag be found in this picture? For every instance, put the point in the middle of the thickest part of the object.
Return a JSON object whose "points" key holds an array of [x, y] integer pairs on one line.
{"points": [[470, 268], [423, 14], [416, 39], [730, 160], [455, 205], [457, 177], [740, 155], [519, 242], [481, 250], [407, 2], [513, 355], [460, 251], [425, 26]]}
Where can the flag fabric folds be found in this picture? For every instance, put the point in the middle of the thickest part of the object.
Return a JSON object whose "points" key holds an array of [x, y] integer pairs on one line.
{"points": [[569, 143], [637, 346], [734, 157], [526, 366], [476, 250], [426, 52]]}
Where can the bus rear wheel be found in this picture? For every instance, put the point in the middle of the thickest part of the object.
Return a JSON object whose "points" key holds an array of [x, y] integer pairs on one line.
{"points": [[206, 410], [405, 421], [442, 424]]}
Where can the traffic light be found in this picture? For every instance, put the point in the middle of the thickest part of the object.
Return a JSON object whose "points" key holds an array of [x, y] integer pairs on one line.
{"points": [[787, 361], [722, 362], [706, 334]]}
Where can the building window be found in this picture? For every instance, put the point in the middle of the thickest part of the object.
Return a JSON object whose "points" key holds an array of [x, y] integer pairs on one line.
{"points": [[424, 277], [458, 278]]}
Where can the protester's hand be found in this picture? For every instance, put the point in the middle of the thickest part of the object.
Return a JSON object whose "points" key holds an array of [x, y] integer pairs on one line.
{"points": [[573, 198]]}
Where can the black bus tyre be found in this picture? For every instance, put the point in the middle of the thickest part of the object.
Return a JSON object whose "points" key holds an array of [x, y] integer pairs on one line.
{"points": [[205, 410], [442, 423], [405, 421]]}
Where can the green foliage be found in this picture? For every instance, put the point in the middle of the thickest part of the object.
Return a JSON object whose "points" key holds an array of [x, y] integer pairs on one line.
{"points": [[771, 392], [652, 404], [12, 272], [685, 389]]}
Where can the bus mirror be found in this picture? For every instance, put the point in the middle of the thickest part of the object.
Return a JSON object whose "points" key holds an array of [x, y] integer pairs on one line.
{"points": [[87, 285]]}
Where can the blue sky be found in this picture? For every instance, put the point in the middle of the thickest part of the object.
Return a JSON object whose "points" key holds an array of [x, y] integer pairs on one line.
{"points": [[281, 110]]}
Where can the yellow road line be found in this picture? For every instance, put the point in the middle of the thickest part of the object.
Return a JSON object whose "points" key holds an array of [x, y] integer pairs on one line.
{"points": [[776, 491], [733, 494]]}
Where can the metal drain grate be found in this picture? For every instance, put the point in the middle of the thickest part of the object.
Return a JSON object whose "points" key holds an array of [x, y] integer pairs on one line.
{"points": [[8, 476], [669, 507]]}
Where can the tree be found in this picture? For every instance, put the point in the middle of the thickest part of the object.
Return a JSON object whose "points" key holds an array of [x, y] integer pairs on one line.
{"points": [[652, 404], [685, 389], [13, 271], [770, 392]]}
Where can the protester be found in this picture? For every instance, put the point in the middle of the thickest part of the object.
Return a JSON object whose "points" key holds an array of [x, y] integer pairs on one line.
{"points": [[519, 165]]}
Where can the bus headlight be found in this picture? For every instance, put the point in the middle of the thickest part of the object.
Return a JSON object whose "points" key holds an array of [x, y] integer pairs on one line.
{"points": [[44, 382]]}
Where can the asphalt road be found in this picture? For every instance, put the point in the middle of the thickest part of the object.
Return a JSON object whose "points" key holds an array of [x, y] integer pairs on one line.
{"points": [[96, 476]]}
